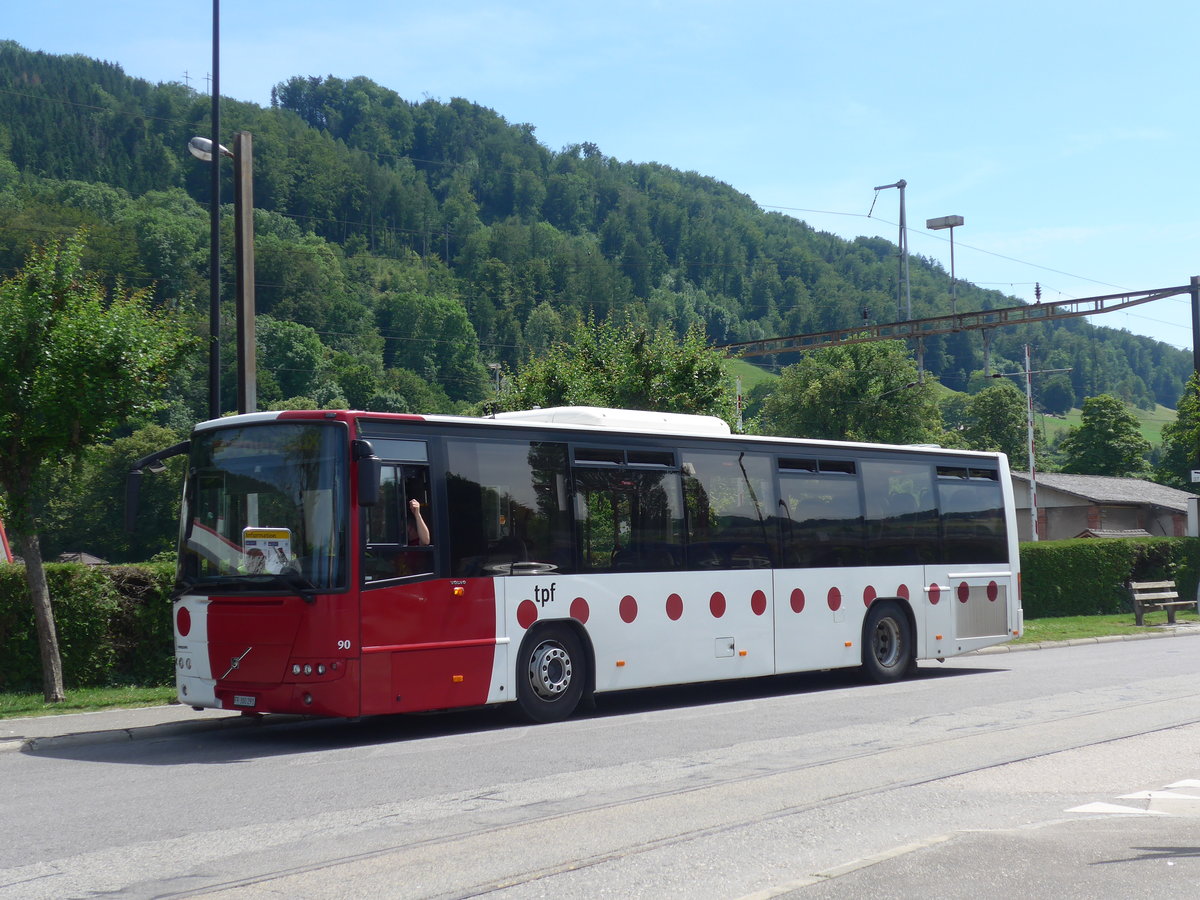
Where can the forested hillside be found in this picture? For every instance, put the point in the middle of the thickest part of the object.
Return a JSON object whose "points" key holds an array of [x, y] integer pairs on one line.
{"points": [[402, 246]]}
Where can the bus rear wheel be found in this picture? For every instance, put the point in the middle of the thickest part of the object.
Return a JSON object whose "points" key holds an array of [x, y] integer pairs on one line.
{"points": [[551, 674], [888, 653]]}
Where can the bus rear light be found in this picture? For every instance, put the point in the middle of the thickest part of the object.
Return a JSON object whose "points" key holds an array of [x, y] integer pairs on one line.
{"points": [[743, 652], [849, 643], [459, 591], [308, 670], [620, 663], [457, 679], [307, 699], [321, 669], [295, 668]]}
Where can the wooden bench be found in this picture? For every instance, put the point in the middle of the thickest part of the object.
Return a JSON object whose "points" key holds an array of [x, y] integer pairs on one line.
{"points": [[1153, 595]]}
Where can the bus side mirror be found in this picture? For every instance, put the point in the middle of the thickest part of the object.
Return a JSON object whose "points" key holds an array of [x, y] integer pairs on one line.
{"points": [[133, 480], [369, 469], [133, 490]]}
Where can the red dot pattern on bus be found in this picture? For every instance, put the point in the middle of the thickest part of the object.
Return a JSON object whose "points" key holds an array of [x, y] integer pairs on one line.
{"points": [[629, 609], [528, 612], [674, 607], [580, 610], [797, 601]]}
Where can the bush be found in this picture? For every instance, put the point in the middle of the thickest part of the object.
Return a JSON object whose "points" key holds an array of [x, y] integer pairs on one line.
{"points": [[1087, 576], [114, 626]]}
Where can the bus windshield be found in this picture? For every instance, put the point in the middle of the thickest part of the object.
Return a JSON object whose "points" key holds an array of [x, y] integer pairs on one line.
{"points": [[264, 508]]}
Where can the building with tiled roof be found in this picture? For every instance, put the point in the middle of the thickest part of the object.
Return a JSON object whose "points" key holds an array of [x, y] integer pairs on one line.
{"points": [[1100, 506]]}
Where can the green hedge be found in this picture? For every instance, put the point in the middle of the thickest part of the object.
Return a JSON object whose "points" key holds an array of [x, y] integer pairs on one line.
{"points": [[1087, 576], [114, 622], [114, 626]]}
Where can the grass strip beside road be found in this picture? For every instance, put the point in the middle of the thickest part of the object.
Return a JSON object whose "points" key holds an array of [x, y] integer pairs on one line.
{"points": [[1037, 631], [90, 699], [1070, 628]]}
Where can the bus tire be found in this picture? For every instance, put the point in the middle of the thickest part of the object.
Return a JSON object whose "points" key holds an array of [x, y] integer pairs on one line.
{"points": [[888, 651], [551, 674]]}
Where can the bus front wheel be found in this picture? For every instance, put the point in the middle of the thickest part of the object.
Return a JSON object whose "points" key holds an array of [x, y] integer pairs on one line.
{"points": [[888, 652], [551, 674]]}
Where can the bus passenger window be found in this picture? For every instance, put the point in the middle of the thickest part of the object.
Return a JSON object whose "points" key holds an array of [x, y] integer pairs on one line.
{"points": [[628, 520], [508, 502], [399, 540], [730, 501]]}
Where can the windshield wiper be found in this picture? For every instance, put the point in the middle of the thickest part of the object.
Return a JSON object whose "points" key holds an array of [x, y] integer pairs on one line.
{"points": [[183, 585], [294, 582]]}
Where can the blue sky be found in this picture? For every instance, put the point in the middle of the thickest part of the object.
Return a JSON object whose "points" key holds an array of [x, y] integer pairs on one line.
{"points": [[1065, 133]]}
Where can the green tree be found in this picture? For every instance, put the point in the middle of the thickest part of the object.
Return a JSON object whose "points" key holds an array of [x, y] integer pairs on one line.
{"points": [[857, 392], [626, 366], [1181, 440], [1108, 442], [75, 363], [81, 514], [431, 335], [998, 420], [1057, 395]]}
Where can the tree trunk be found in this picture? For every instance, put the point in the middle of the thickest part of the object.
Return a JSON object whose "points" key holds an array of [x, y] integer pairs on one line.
{"points": [[39, 591]]}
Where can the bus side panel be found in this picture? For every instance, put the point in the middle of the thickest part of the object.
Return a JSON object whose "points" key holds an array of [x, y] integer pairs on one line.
{"points": [[194, 681], [970, 606], [428, 645], [819, 612], [656, 628]]}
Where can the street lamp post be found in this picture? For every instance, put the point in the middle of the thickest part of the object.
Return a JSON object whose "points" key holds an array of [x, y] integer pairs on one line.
{"points": [[214, 218], [243, 213], [903, 278], [938, 224]]}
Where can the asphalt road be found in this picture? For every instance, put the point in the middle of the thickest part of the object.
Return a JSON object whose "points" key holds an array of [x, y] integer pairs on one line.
{"points": [[989, 776]]}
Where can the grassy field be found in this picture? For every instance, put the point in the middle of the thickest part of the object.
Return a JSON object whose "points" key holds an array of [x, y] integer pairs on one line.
{"points": [[1151, 422], [749, 374]]}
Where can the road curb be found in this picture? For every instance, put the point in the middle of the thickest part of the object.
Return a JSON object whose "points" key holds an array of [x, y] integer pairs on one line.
{"points": [[158, 731]]}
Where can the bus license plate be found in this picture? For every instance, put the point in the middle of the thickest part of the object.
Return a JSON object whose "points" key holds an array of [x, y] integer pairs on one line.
{"points": [[243, 700]]}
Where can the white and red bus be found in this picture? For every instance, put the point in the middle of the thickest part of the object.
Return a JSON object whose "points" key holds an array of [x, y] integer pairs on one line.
{"points": [[354, 563], [5, 549]]}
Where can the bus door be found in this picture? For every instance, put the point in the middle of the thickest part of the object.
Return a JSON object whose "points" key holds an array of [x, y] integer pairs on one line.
{"points": [[968, 592]]}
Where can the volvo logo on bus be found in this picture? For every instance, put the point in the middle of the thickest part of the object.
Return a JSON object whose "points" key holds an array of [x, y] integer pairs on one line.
{"points": [[234, 662]]}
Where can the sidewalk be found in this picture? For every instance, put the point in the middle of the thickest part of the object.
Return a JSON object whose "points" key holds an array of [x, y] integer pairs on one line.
{"points": [[35, 733]]}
